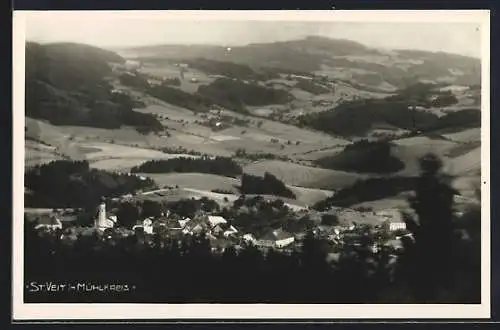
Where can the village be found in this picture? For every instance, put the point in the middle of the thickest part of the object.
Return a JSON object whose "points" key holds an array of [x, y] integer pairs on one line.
{"points": [[221, 233]]}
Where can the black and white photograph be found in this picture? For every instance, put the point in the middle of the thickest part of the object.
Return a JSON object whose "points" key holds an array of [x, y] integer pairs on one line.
{"points": [[255, 164]]}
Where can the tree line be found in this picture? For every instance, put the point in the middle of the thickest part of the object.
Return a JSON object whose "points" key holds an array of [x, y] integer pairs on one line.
{"points": [[218, 165]]}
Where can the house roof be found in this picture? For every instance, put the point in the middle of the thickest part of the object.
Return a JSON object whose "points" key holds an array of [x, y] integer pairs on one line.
{"points": [[215, 220], [223, 226], [173, 223], [184, 222], [280, 234]]}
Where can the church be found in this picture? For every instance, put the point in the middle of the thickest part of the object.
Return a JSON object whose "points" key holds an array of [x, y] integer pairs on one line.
{"points": [[102, 220]]}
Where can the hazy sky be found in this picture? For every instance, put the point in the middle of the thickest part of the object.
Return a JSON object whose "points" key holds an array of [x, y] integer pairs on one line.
{"points": [[118, 30]]}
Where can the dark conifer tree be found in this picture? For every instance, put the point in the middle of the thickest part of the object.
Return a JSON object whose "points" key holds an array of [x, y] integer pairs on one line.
{"points": [[427, 259]]}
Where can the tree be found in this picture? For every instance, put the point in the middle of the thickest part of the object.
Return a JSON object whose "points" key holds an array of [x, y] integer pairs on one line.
{"points": [[151, 209], [128, 214], [427, 259], [329, 219]]}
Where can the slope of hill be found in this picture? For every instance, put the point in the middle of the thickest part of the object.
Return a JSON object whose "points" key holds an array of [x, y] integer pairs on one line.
{"points": [[65, 84], [358, 118], [303, 176]]}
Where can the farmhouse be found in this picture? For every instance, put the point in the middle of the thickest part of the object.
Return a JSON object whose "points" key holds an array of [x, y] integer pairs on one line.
{"points": [[197, 225], [277, 238], [394, 225], [393, 220], [216, 220]]}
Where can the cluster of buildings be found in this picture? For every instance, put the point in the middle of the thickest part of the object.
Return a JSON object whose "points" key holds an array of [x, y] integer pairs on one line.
{"points": [[217, 228], [220, 232]]}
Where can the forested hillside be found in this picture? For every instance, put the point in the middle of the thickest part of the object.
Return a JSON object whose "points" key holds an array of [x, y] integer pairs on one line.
{"points": [[66, 85]]}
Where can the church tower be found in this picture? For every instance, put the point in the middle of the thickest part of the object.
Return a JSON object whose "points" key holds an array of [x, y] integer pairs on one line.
{"points": [[101, 214]]}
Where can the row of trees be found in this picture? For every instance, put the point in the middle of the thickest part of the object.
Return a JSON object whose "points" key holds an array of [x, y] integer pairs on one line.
{"points": [[218, 165], [242, 153]]}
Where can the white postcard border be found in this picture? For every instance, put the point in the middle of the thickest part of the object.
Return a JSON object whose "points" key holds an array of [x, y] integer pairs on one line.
{"points": [[33, 311]]}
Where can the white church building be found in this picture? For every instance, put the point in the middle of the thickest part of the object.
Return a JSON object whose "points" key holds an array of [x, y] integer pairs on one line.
{"points": [[103, 221]]}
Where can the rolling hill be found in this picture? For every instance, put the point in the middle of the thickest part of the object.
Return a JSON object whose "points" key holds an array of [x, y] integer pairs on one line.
{"points": [[398, 68], [66, 85]]}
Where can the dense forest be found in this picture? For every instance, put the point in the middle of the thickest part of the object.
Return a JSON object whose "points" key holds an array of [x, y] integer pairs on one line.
{"points": [[364, 157], [266, 185], [439, 262], [193, 102], [358, 117], [230, 69], [63, 184], [66, 85], [218, 165], [231, 94], [236, 94], [312, 87]]}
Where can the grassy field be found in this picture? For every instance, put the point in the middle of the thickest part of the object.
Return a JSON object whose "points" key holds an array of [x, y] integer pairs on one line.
{"points": [[203, 184], [252, 138], [411, 149], [395, 202], [468, 135], [466, 164], [36, 153], [303, 176], [199, 181]]}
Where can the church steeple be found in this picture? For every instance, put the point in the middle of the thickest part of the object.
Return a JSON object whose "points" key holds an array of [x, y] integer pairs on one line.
{"points": [[101, 214]]}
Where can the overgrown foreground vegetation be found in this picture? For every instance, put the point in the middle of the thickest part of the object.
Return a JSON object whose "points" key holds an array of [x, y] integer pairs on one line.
{"points": [[439, 263]]}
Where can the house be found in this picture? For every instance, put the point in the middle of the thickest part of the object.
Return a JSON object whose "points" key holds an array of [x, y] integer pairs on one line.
{"points": [[230, 231], [215, 220], [394, 225], [48, 223], [196, 226], [224, 229], [393, 220], [184, 221], [277, 238], [146, 226]]}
